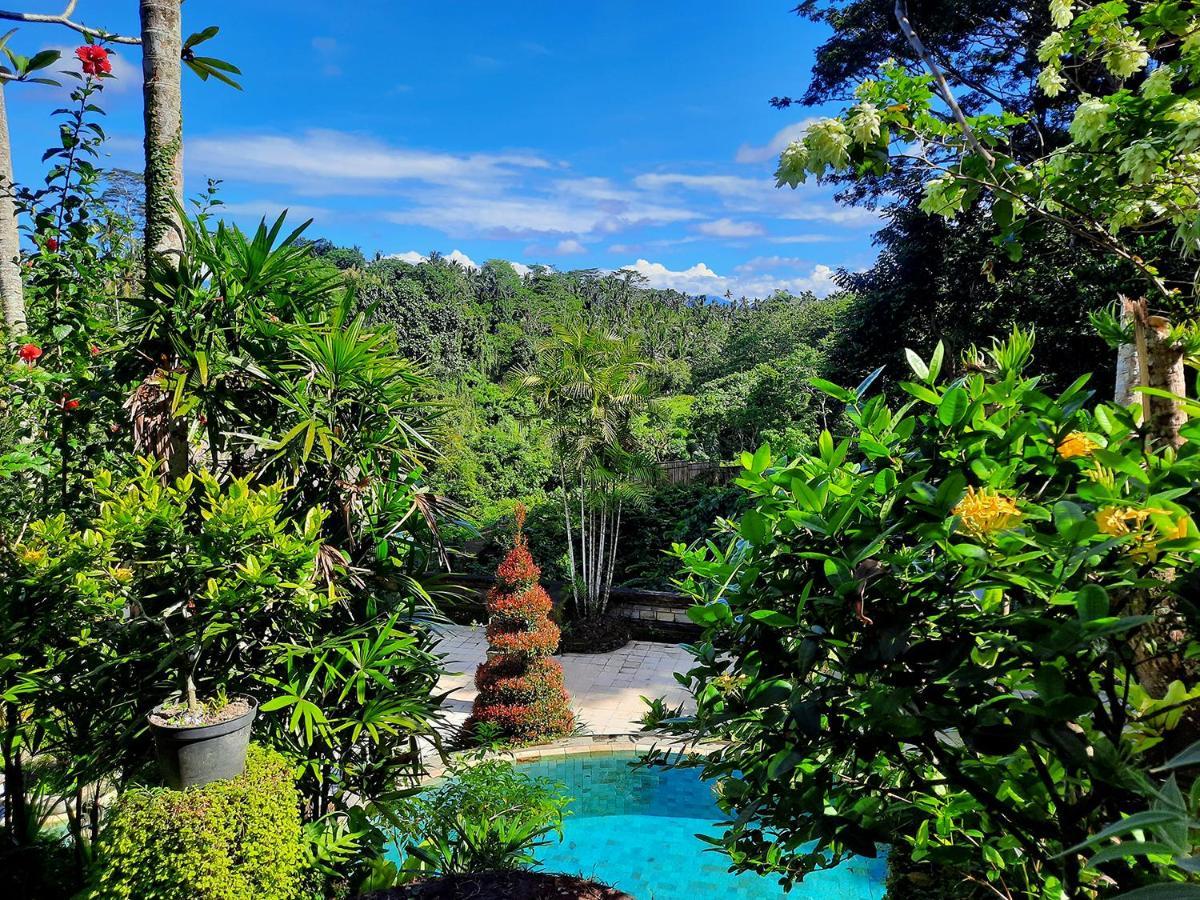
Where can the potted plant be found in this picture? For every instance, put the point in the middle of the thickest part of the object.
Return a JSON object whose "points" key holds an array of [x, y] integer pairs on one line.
{"points": [[226, 571], [198, 741]]}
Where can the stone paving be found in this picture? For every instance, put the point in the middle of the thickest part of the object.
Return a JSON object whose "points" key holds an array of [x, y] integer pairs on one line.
{"points": [[605, 688]]}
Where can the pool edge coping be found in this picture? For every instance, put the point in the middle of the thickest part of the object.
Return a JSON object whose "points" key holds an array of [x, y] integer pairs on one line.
{"points": [[589, 745]]}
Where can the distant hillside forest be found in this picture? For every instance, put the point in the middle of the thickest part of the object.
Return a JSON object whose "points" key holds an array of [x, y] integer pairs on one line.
{"points": [[727, 375]]}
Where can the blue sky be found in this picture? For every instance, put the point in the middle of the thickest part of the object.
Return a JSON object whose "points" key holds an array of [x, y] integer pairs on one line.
{"points": [[614, 134]]}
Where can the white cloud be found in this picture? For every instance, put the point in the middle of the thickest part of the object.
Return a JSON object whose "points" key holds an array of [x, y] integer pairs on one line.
{"points": [[819, 281], [699, 279], [750, 281], [748, 153], [327, 161], [760, 196], [803, 239], [520, 268], [832, 213], [727, 185], [728, 228], [512, 216], [565, 247], [412, 257], [769, 262], [270, 210]]}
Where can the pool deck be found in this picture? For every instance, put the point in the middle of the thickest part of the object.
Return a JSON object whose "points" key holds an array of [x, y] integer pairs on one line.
{"points": [[605, 688]]}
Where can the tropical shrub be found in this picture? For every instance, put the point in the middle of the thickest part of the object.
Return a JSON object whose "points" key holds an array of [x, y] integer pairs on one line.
{"points": [[521, 689], [482, 818], [927, 634], [221, 583], [266, 367], [228, 840], [591, 387]]}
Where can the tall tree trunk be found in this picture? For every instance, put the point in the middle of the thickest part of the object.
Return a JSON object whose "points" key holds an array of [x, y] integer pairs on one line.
{"points": [[1159, 647], [1165, 371], [1127, 365], [162, 46], [562, 475], [12, 292]]}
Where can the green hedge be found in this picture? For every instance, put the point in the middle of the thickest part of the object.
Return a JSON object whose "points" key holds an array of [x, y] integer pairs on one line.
{"points": [[229, 840]]}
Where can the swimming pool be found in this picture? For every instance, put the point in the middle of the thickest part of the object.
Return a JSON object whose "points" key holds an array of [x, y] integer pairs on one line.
{"points": [[635, 829]]}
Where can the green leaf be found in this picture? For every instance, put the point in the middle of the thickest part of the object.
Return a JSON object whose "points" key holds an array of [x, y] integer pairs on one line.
{"points": [[1189, 757], [201, 36], [1092, 602], [954, 404], [772, 618], [754, 527], [834, 390], [761, 460], [1068, 516], [42, 59], [916, 364], [935, 362], [1138, 821]]}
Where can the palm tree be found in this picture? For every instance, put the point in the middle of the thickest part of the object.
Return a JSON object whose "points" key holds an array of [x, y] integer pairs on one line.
{"points": [[589, 387]]}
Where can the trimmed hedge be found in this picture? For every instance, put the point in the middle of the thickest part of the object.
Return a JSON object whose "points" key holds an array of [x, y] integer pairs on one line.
{"points": [[229, 840], [520, 689]]}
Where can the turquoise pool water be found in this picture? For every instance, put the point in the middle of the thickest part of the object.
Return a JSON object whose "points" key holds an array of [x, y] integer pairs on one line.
{"points": [[635, 829]]}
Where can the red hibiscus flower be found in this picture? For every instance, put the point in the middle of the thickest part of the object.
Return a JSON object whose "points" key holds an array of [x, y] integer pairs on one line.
{"points": [[69, 403], [94, 59], [94, 350], [51, 244], [29, 353]]}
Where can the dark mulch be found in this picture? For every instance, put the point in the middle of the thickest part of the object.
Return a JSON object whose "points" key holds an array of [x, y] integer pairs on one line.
{"points": [[518, 885], [603, 635]]}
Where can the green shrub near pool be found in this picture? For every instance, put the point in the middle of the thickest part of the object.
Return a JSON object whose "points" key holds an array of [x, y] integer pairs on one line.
{"points": [[229, 840]]}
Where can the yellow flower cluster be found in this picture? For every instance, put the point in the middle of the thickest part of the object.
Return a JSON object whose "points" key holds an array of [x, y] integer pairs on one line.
{"points": [[986, 512], [1076, 444], [728, 683], [31, 556], [1130, 521]]}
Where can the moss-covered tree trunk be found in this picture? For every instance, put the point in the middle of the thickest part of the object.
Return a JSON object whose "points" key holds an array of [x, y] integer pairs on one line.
{"points": [[162, 47], [12, 291], [157, 431]]}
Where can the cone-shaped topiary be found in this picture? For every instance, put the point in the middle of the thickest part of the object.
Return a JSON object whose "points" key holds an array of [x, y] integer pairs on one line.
{"points": [[520, 688]]}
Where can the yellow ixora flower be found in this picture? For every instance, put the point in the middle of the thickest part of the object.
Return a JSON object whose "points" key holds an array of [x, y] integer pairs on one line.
{"points": [[1134, 522], [984, 512], [1076, 444], [31, 556], [123, 575]]}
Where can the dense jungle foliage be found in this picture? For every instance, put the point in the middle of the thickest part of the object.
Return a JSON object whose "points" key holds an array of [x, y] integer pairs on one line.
{"points": [[725, 374]]}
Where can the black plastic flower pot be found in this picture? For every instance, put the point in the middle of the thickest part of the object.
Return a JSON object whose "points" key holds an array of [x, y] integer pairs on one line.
{"points": [[192, 755]]}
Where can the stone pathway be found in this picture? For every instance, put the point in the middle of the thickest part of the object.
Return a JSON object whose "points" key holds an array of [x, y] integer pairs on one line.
{"points": [[605, 688]]}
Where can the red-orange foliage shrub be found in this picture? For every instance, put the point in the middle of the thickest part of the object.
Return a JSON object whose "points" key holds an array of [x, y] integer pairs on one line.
{"points": [[520, 688]]}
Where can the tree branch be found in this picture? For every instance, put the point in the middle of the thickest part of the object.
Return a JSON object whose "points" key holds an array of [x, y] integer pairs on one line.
{"points": [[943, 86], [64, 18]]}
